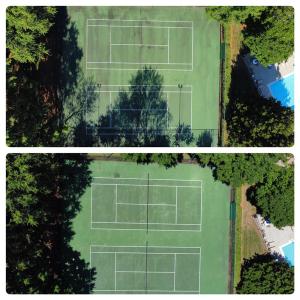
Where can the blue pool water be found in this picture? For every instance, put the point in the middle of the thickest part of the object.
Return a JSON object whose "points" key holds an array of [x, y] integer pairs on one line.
{"points": [[283, 90], [288, 252]]}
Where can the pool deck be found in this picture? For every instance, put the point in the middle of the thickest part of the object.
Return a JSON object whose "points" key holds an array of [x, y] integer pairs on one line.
{"points": [[275, 238], [263, 76]]}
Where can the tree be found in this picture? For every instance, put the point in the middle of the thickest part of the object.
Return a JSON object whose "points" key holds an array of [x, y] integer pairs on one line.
{"points": [[271, 37], [268, 30], [163, 159], [225, 14], [26, 29], [43, 192], [265, 274], [253, 120], [238, 169], [274, 197], [260, 122]]}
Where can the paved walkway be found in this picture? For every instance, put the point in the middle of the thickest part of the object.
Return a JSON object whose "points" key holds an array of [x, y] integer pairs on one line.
{"points": [[274, 237], [263, 76]]}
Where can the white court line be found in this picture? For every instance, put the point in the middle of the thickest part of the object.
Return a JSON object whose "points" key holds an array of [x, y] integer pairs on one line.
{"points": [[144, 229], [168, 45], [153, 291], [191, 110], [139, 204], [142, 253], [139, 26], [137, 223], [193, 46], [176, 203], [140, 246], [110, 59], [116, 206], [141, 45], [141, 85], [136, 63], [200, 255], [130, 178], [136, 69], [115, 271], [152, 185], [148, 272], [138, 20], [174, 284]]}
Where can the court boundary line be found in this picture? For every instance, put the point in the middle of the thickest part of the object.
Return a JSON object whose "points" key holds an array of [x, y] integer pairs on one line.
{"points": [[199, 254], [119, 223], [138, 20], [199, 225], [131, 178]]}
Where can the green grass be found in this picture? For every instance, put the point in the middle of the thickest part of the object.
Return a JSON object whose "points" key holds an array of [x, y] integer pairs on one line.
{"points": [[188, 54], [212, 240], [238, 239]]}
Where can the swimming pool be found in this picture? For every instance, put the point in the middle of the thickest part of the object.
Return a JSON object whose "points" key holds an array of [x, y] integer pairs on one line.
{"points": [[283, 90], [288, 252]]}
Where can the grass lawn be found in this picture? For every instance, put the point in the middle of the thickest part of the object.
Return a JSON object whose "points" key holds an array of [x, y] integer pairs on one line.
{"points": [[181, 43], [168, 233], [233, 39], [248, 238]]}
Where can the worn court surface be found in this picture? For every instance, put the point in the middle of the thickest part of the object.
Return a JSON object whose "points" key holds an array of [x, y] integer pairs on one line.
{"points": [[182, 43], [146, 229]]}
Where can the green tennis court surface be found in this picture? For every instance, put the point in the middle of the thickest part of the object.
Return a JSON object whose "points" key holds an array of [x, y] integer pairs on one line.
{"points": [[146, 229], [181, 43]]}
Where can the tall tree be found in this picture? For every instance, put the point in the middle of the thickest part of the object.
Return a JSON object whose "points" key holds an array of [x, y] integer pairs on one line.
{"points": [[43, 193], [264, 274], [260, 122], [271, 37], [274, 197], [238, 169], [26, 33], [268, 30], [225, 14]]}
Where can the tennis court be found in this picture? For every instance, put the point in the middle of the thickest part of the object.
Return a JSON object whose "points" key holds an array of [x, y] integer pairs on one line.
{"points": [[147, 269], [147, 229], [152, 204], [176, 107], [182, 44]]}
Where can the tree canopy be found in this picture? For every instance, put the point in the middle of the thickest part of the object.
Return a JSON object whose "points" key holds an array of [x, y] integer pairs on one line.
{"points": [[268, 30], [260, 122], [26, 33], [265, 274], [271, 37], [238, 169], [274, 197], [253, 120], [225, 14], [43, 193]]}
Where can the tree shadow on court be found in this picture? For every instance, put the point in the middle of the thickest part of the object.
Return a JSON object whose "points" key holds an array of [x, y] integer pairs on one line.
{"points": [[205, 139], [40, 258], [139, 116], [253, 120], [46, 106], [183, 136]]}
